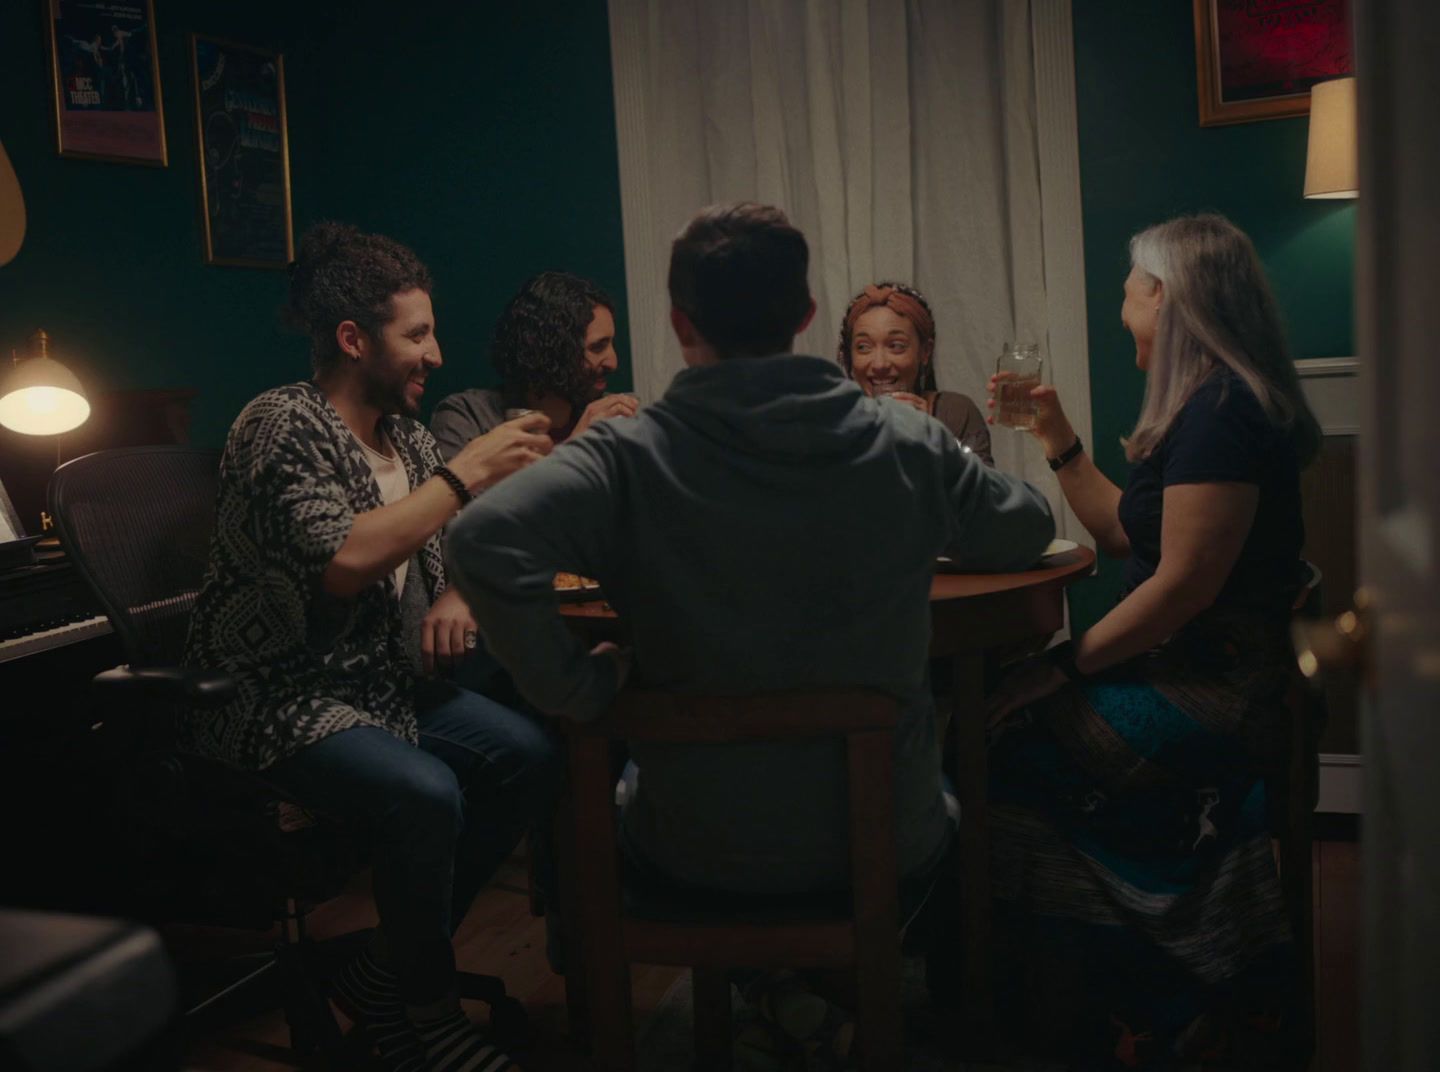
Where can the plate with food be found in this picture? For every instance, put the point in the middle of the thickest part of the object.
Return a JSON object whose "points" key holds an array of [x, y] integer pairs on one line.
{"points": [[573, 588]]}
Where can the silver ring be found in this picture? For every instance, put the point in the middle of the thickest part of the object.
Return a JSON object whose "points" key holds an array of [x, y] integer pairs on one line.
{"points": [[471, 638]]}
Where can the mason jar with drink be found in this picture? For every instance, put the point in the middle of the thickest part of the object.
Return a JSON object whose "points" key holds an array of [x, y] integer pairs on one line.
{"points": [[1017, 373]]}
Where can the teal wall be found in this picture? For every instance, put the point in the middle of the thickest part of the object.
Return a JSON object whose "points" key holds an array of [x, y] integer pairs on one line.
{"points": [[481, 135], [1144, 158]]}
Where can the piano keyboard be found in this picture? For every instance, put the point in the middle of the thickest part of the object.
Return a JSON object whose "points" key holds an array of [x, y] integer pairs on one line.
{"points": [[58, 637]]}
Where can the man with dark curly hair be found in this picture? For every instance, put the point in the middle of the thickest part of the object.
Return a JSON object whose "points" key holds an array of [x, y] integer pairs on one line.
{"points": [[554, 350], [326, 599]]}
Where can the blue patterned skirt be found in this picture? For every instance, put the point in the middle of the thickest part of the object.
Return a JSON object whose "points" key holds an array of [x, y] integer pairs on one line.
{"points": [[1139, 912]]}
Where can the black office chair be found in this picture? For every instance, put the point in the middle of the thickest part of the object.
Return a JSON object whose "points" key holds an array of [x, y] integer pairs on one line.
{"points": [[83, 993], [211, 844]]}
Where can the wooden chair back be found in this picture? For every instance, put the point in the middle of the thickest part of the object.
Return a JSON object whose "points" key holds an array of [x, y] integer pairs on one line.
{"points": [[609, 941]]}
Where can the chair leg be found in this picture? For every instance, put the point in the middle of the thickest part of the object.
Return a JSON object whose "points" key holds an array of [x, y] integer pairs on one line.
{"points": [[572, 956], [607, 1001], [968, 766], [1297, 849], [537, 903], [307, 1012], [1300, 863], [880, 1023], [713, 1033], [596, 856]]}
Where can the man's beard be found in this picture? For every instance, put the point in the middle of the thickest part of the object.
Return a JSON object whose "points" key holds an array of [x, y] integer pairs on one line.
{"points": [[391, 396], [583, 390]]}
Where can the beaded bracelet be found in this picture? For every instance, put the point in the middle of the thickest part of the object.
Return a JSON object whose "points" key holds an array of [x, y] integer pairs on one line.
{"points": [[456, 484]]}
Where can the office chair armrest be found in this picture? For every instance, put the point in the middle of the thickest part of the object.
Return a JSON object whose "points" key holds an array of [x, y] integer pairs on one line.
{"points": [[171, 684]]}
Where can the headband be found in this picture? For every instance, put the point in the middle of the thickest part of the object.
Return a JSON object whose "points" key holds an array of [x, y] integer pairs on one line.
{"points": [[911, 308]]}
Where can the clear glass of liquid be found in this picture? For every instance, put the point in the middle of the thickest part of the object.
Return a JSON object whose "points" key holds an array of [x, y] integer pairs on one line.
{"points": [[1017, 373]]}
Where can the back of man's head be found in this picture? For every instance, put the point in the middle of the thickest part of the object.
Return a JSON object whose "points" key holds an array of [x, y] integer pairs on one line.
{"points": [[738, 273]]}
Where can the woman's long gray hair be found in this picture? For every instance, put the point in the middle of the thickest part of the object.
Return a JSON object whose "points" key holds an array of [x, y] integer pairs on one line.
{"points": [[1217, 310]]}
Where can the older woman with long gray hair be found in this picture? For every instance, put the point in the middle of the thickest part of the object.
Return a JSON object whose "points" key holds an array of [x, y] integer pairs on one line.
{"points": [[1135, 885]]}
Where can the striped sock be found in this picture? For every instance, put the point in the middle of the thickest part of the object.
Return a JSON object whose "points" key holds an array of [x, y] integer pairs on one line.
{"points": [[370, 994], [453, 1044]]}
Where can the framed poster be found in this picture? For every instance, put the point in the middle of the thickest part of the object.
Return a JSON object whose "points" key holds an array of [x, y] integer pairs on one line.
{"points": [[1257, 59], [244, 153], [106, 80]]}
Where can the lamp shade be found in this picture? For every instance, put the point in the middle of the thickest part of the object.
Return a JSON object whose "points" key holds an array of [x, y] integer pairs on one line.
{"points": [[1330, 165], [40, 396], [12, 211]]}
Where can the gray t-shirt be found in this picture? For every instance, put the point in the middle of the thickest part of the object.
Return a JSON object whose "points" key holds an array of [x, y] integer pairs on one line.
{"points": [[464, 415]]}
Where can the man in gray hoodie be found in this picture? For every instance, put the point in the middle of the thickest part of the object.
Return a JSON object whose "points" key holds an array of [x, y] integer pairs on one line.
{"points": [[763, 526]]}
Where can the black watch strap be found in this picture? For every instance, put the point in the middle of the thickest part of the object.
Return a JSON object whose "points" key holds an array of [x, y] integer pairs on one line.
{"points": [[1067, 455], [1063, 657]]}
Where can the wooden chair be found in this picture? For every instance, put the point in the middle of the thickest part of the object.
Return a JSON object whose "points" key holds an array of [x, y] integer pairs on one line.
{"points": [[861, 935]]}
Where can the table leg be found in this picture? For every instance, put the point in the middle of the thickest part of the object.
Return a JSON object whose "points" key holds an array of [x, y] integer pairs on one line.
{"points": [[968, 766], [569, 907]]}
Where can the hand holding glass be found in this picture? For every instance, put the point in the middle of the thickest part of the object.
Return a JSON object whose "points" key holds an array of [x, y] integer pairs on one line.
{"points": [[1017, 373]]}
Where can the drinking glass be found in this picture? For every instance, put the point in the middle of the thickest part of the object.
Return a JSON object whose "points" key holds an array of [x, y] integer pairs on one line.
{"points": [[1018, 373]]}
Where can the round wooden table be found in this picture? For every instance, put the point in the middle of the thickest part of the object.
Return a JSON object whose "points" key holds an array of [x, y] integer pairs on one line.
{"points": [[972, 615], [1004, 608]]}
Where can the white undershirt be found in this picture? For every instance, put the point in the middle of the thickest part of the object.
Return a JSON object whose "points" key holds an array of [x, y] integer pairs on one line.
{"points": [[394, 485]]}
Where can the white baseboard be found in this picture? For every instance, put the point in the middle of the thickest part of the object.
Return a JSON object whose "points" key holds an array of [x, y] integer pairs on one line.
{"points": [[1339, 784]]}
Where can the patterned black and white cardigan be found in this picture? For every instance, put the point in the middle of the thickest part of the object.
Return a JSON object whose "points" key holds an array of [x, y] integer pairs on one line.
{"points": [[292, 479]]}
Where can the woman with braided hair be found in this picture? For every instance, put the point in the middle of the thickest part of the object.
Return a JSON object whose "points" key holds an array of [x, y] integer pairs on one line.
{"points": [[887, 346]]}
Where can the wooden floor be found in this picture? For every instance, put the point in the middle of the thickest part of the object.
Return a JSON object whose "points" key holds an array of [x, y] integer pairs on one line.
{"points": [[500, 937]]}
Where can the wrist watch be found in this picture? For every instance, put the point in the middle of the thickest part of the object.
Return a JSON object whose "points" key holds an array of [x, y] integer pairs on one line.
{"points": [[1062, 657], [1066, 455]]}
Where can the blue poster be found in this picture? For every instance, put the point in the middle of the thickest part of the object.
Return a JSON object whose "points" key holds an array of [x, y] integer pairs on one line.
{"points": [[244, 156]]}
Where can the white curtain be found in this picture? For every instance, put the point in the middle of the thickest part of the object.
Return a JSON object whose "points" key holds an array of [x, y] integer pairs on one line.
{"points": [[929, 142]]}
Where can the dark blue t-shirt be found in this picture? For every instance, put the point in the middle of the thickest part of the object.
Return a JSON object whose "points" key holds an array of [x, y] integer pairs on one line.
{"points": [[1222, 435]]}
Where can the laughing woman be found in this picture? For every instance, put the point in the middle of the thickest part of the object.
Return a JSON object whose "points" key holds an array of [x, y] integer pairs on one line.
{"points": [[1135, 886], [887, 346]]}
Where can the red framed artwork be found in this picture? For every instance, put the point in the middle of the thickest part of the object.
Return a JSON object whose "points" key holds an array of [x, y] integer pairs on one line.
{"points": [[1257, 59]]}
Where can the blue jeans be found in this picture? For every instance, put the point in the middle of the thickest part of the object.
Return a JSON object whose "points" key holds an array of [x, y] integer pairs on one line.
{"points": [[440, 818]]}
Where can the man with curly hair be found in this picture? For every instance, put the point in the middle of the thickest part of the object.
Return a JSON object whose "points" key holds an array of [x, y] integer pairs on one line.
{"points": [[554, 350], [326, 599]]}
